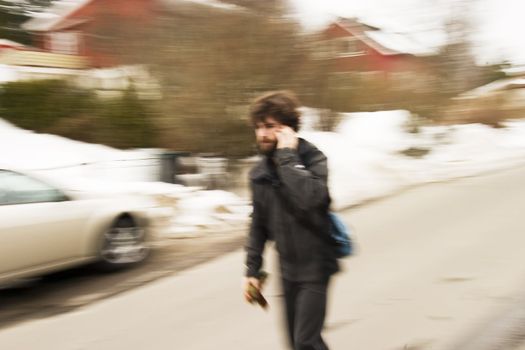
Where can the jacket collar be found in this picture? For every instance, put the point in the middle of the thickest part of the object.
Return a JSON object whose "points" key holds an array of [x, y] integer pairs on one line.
{"points": [[265, 169]]}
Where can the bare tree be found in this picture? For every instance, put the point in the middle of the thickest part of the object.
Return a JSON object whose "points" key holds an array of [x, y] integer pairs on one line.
{"points": [[210, 63]]}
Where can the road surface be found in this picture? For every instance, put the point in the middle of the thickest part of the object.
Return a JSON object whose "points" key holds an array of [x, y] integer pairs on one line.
{"points": [[435, 264]]}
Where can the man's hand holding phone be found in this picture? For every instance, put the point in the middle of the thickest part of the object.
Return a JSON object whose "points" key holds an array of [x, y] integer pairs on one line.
{"points": [[286, 137], [253, 290]]}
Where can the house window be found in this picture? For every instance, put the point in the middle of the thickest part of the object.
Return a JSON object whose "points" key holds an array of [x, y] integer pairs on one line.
{"points": [[348, 47], [340, 47], [324, 49], [65, 43]]}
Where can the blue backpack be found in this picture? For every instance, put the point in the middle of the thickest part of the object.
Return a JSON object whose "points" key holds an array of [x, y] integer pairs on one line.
{"points": [[341, 236]]}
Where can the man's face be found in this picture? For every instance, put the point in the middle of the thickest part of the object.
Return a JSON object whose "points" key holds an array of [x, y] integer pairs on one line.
{"points": [[265, 135]]}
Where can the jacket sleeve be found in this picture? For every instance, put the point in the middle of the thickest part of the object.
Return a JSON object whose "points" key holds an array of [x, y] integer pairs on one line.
{"points": [[305, 187], [256, 241]]}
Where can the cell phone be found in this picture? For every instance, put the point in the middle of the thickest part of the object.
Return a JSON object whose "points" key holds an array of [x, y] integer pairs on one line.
{"points": [[257, 297], [255, 294]]}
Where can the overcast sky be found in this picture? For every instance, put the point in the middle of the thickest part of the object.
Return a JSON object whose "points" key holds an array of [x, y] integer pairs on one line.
{"points": [[497, 24]]}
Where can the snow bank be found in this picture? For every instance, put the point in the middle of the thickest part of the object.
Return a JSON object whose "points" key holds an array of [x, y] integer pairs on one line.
{"points": [[365, 159], [366, 162], [102, 170], [65, 158]]}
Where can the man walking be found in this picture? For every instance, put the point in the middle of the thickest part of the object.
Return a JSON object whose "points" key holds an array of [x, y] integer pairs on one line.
{"points": [[290, 206]]}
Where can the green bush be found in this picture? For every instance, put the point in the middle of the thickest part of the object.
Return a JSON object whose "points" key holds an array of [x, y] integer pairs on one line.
{"points": [[39, 105], [126, 122], [54, 106]]}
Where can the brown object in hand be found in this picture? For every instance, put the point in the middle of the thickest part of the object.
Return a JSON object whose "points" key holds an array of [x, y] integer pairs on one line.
{"points": [[256, 295]]}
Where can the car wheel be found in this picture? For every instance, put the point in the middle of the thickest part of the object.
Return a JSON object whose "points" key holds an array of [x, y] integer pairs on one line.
{"points": [[124, 244]]}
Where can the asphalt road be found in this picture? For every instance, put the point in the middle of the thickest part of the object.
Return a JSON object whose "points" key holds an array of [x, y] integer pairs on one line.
{"points": [[436, 265]]}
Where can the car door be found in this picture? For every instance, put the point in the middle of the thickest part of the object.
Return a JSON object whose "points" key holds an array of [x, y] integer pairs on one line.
{"points": [[39, 224]]}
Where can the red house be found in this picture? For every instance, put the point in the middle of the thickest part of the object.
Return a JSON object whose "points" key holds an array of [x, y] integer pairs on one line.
{"points": [[71, 26], [354, 46], [78, 27]]}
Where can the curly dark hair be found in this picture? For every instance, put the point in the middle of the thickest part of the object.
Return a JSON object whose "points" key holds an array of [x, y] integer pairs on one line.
{"points": [[280, 105]]}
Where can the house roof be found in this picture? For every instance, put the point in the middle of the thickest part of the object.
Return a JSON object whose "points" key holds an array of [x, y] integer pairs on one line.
{"points": [[209, 3], [399, 43], [386, 43], [515, 71], [55, 16], [498, 85], [11, 44]]}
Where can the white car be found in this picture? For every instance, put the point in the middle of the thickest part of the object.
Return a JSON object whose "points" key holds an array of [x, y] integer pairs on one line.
{"points": [[44, 228]]}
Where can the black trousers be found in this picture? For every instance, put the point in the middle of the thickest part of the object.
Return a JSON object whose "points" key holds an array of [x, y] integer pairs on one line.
{"points": [[305, 306]]}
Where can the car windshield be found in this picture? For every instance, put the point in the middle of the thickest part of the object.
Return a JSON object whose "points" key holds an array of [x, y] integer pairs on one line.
{"points": [[16, 188]]}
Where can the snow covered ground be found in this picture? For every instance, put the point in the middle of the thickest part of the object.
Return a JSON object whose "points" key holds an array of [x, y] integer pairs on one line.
{"points": [[366, 162], [364, 155]]}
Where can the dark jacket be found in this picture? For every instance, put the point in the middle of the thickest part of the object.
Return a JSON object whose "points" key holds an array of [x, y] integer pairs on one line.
{"points": [[290, 206]]}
